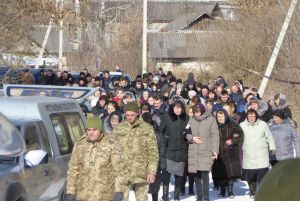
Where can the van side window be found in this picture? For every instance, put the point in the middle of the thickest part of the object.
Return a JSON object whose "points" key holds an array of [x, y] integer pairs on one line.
{"points": [[31, 139], [45, 138], [68, 129], [75, 126]]}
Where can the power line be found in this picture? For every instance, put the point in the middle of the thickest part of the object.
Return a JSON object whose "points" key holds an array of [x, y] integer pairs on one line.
{"points": [[269, 77]]}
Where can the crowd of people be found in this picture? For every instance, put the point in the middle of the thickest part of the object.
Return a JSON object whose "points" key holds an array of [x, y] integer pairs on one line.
{"points": [[157, 126]]}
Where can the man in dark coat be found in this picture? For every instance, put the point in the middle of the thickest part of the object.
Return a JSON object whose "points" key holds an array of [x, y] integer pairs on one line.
{"points": [[154, 187]]}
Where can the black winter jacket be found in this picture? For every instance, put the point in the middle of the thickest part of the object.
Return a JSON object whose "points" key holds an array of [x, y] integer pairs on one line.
{"points": [[172, 128]]}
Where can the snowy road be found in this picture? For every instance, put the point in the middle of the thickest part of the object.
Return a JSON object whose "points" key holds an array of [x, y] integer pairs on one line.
{"points": [[240, 190]]}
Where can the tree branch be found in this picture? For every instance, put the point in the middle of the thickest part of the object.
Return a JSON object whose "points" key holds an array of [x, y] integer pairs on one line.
{"points": [[12, 20]]}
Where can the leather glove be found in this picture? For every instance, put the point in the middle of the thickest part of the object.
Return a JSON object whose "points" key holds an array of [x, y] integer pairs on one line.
{"points": [[118, 196], [70, 197]]}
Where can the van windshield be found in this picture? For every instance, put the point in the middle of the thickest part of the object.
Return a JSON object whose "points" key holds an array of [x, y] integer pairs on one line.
{"points": [[77, 93], [59, 93]]}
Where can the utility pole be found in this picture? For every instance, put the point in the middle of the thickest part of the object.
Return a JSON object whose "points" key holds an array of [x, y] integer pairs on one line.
{"points": [[144, 59], [276, 50], [44, 44], [60, 44], [79, 28]]}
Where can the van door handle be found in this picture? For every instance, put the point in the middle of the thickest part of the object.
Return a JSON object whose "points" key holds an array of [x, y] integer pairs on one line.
{"points": [[46, 172]]}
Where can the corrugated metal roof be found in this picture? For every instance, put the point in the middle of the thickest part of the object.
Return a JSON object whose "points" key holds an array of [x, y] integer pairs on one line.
{"points": [[181, 45], [169, 11], [158, 11]]}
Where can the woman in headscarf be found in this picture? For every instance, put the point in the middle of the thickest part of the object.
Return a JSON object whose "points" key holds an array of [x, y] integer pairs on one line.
{"points": [[113, 120], [227, 167]]}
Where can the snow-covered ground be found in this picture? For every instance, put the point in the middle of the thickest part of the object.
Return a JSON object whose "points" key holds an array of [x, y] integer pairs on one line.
{"points": [[241, 192]]}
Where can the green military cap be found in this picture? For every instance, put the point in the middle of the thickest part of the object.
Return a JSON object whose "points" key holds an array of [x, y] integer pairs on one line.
{"points": [[281, 183], [132, 106], [94, 122]]}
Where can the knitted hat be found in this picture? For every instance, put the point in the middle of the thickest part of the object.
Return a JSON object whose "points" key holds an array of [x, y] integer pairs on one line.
{"points": [[132, 106], [172, 79], [146, 106], [282, 183], [253, 100], [199, 107], [156, 78], [279, 113], [94, 122], [191, 82]]}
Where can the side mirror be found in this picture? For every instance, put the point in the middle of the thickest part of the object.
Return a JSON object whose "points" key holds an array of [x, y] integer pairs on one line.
{"points": [[35, 157]]}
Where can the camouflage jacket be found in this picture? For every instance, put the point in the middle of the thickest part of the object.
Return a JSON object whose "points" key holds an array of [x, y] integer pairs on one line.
{"points": [[139, 146], [95, 170]]}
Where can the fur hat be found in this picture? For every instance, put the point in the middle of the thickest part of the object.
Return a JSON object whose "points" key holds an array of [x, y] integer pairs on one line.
{"points": [[279, 113], [253, 100]]}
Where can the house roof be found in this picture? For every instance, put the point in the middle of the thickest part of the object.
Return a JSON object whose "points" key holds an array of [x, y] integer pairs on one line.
{"points": [[182, 45], [38, 34], [185, 20], [158, 11], [169, 11]]}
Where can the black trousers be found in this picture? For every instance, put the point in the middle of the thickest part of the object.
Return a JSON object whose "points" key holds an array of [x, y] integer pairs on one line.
{"points": [[190, 177], [202, 185], [254, 177], [154, 187]]}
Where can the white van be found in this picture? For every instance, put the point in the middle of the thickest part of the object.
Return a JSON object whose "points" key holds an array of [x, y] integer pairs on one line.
{"points": [[49, 127]]}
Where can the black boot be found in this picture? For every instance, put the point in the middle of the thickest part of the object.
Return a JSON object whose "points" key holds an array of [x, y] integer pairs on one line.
{"points": [[191, 183], [222, 193], [216, 185], [183, 191], [205, 198], [154, 196], [177, 193], [230, 190], [252, 189], [165, 196], [191, 190]]}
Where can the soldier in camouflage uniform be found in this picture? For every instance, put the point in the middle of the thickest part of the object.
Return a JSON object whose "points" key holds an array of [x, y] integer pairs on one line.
{"points": [[138, 143], [96, 166]]}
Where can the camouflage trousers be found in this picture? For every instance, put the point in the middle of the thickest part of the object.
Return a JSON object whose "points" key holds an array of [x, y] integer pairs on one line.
{"points": [[140, 191]]}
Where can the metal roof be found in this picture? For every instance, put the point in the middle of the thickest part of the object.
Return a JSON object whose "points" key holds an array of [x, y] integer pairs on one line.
{"points": [[169, 11], [182, 45]]}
